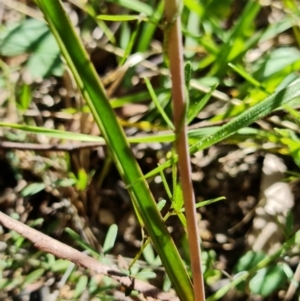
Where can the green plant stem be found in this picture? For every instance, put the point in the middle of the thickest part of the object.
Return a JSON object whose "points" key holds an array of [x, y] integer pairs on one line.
{"points": [[175, 56], [95, 96]]}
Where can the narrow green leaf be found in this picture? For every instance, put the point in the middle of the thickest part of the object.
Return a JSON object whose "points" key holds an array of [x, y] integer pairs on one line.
{"points": [[248, 77], [177, 201], [25, 97], [82, 181], [166, 185], [145, 275], [206, 203], [65, 182], [195, 109], [235, 43], [289, 224], [60, 265], [54, 133], [131, 43], [149, 28], [157, 104], [135, 5], [160, 137], [246, 118], [110, 238], [187, 74], [137, 97], [148, 254], [36, 222], [120, 18], [32, 189], [81, 242], [161, 204], [33, 276], [81, 286]]}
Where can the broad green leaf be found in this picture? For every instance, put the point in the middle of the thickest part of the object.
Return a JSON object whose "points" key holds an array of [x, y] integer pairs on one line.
{"points": [[267, 280], [45, 58], [21, 38], [248, 261], [33, 37]]}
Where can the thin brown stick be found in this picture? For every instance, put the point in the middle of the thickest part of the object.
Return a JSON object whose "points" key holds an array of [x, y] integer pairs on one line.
{"points": [[49, 147], [58, 249], [175, 55]]}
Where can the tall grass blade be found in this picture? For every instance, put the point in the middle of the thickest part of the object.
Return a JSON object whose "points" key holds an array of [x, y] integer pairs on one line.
{"points": [[94, 94]]}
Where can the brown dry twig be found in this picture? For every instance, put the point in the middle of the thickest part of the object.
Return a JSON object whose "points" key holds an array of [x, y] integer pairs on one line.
{"points": [[53, 246], [174, 48]]}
